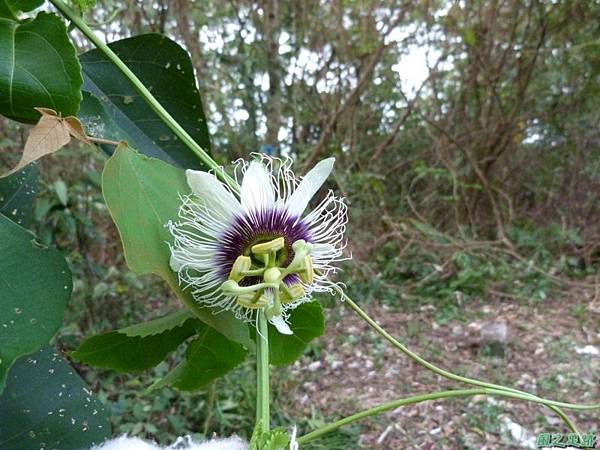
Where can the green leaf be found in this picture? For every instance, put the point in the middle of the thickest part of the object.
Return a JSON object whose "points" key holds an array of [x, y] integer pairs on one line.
{"points": [[158, 326], [11, 8], [35, 286], [307, 322], [46, 405], [98, 120], [142, 195], [119, 351], [38, 67], [208, 357], [166, 70], [17, 193], [61, 191]]}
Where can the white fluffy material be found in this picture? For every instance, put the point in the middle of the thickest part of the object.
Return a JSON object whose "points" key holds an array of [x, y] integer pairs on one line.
{"points": [[132, 443]]}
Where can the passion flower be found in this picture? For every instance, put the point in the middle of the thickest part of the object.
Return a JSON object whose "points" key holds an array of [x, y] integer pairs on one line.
{"points": [[259, 248]]}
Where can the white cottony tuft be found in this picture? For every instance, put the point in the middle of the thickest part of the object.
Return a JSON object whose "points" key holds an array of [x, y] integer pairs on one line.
{"points": [[126, 442], [184, 443]]}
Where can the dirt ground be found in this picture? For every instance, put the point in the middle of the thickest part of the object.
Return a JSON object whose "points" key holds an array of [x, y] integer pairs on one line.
{"points": [[551, 349]]}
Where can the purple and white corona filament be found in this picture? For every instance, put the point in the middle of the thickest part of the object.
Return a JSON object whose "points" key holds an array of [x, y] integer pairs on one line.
{"points": [[259, 249]]}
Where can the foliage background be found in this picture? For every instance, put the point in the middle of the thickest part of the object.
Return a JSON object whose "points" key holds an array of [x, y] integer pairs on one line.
{"points": [[467, 144]]}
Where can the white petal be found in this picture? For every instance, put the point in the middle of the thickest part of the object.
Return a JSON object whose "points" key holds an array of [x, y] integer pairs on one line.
{"points": [[281, 325], [309, 186], [213, 193], [257, 191]]}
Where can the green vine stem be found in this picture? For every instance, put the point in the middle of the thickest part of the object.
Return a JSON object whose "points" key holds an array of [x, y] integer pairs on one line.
{"points": [[411, 401], [450, 375], [262, 373], [145, 93]]}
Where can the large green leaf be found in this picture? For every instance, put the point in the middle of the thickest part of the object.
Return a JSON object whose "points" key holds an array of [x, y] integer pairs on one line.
{"points": [[35, 286], [142, 195], [47, 406], [307, 322], [38, 67], [17, 193], [208, 357], [119, 351], [166, 70], [11, 8]]}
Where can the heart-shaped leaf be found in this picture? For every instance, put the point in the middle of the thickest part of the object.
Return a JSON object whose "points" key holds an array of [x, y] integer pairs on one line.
{"points": [[142, 195], [208, 357], [35, 286], [307, 322], [38, 67], [116, 111], [46, 405]]}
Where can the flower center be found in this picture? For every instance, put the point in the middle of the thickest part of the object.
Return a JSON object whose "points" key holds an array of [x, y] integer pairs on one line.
{"points": [[263, 267], [250, 229], [281, 256]]}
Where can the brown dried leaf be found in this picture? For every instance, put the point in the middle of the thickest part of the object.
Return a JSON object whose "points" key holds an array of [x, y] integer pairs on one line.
{"points": [[72, 123], [76, 129], [49, 135]]}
